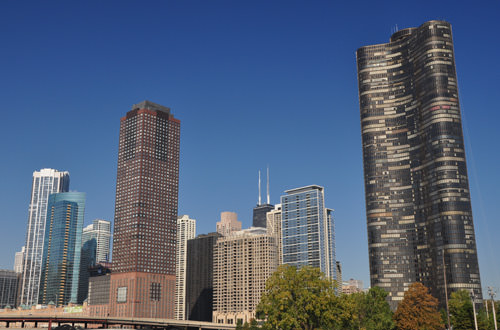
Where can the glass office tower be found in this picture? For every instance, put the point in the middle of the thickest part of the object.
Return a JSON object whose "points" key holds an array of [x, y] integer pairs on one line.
{"points": [[61, 249], [418, 207], [307, 230]]}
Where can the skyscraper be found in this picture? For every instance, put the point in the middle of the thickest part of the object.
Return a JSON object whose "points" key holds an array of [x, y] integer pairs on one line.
{"points": [[260, 211], [45, 182], [199, 277], [61, 249], [417, 192], [186, 230], [100, 232], [18, 261], [274, 229], [145, 227], [307, 230], [228, 223], [243, 262], [95, 248]]}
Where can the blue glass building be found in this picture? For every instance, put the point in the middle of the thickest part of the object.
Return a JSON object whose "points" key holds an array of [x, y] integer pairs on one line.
{"points": [[307, 230], [62, 248]]}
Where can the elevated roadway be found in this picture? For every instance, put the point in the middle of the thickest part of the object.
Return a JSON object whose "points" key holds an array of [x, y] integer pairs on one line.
{"points": [[10, 321]]}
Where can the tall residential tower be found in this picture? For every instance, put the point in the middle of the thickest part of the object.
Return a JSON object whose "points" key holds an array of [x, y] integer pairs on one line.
{"points": [[145, 226], [186, 230], [45, 182], [417, 192], [307, 230]]}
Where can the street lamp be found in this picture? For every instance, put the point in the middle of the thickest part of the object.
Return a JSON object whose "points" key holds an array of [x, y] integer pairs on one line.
{"points": [[473, 297], [446, 291], [492, 293]]}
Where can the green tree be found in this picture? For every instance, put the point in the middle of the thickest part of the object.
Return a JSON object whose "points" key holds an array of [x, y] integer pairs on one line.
{"points": [[374, 311], [298, 298], [462, 313], [418, 310], [366, 311]]}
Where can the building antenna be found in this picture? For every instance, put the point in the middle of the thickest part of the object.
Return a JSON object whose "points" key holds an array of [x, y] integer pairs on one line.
{"points": [[260, 202], [268, 197]]}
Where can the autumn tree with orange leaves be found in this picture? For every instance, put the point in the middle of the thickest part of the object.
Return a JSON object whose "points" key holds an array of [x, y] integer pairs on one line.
{"points": [[418, 310]]}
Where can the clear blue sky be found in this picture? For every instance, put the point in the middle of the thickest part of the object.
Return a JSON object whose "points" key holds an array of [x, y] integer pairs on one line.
{"points": [[253, 83]]}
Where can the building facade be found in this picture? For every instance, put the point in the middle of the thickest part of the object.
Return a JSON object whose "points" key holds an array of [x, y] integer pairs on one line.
{"points": [[98, 289], [186, 230], [199, 277], [243, 262], [274, 229], [228, 223], [62, 248], [9, 282], [416, 185], [19, 261], [260, 215], [95, 248], [100, 232], [307, 230], [45, 182], [145, 226]]}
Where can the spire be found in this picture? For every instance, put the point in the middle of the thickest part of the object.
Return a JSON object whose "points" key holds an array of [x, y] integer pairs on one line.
{"points": [[268, 197], [260, 201]]}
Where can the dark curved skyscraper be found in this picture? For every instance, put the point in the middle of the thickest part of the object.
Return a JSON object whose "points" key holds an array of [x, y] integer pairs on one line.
{"points": [[417, 191]]}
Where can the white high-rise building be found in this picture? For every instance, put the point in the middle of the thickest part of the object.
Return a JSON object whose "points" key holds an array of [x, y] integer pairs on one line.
{"points": [[18, 261], [45, 182], [274, 228], [100, 230], [186, 229]]}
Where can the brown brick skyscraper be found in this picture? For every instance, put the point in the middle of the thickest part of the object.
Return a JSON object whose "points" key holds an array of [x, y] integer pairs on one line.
{"points": [[143, 279]]}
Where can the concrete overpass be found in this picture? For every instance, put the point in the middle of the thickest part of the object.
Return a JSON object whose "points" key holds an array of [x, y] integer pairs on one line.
{"points": [[118, 322]]}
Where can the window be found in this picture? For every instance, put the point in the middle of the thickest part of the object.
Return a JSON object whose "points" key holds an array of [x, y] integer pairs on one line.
{"points": [[121, 294], [155, 291]]}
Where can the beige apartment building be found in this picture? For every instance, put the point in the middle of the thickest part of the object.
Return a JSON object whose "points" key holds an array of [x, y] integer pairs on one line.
{"points": [[243, 261]]}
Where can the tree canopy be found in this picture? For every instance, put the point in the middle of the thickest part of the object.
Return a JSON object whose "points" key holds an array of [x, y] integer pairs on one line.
{"points": [[462, 313], [418, 310], [298, 298], [303, 298]]}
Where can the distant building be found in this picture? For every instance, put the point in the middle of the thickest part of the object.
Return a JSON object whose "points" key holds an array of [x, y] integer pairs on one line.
{"points": [[95, 248], [352, 286], [259, 215], [274, 229], [45, 182], [339, 277], [228, 223], [62, 249], [199, 277], [243, 262], [308, 232], [260, 211], [9, 281], [186, 230], [145, 226], [18, 261], [100, 231]]}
